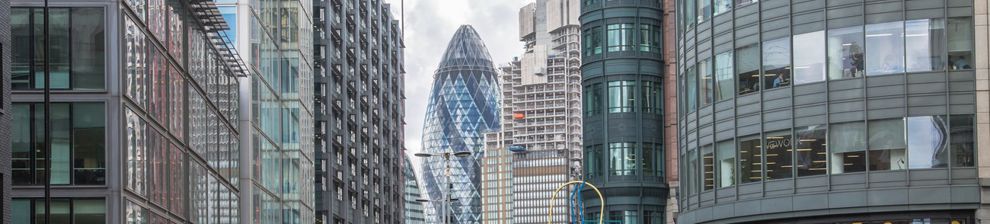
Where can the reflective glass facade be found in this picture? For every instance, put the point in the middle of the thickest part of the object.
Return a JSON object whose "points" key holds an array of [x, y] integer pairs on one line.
{"points": [[413, 212], [464, 104], [840, 107], [275, 38], [144, 110]]}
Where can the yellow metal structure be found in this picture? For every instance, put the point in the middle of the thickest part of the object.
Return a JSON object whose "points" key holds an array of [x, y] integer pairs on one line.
{"points": [[601, 212]]}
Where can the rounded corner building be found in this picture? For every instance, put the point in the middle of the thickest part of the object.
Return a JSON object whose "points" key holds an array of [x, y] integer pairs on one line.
{"points": [[623, 110], [830, 111], [463, 105]]}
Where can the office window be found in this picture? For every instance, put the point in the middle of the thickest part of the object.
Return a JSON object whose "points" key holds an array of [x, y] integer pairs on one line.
{"points": [[704, 10], [625, 217], [592, 41], [593, 99], [845, 52], [593, 161], [622, 158], [88, 144], [707, 167], [778, 155], [847, 145], [885, 48], [653, 217], [650, 39], [77, 41], [63, 210], [809, 65], [620, 37], [810, 148], [689, 13], [726, 164], [88, 211], [777, 63], [924, 42], [887, 145], [722, 6], [926, 142], [136, 66], [78, 144], [136, 152], [750, 160], [745, 2], [621, 96], [723, 77], [748, 69], [691, 172], [692, 89], [652, 97], [960, 35], [706, 83], [962, 140], [23, 147], [652, 159], [590, 2]]}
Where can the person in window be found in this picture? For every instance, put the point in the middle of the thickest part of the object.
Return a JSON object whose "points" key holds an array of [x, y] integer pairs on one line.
{"points": [[960, 63], [777, 81], [851, 65]]}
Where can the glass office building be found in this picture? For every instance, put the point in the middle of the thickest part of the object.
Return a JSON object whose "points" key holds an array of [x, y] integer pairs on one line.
{"points": [[144, 113], [837, 111], [360, 112], [622, 78], [412, 193], [277, 135], [463, 105]]}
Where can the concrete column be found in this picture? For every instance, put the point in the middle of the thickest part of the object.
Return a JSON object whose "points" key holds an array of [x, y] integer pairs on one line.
{"points": [[982, 65]]}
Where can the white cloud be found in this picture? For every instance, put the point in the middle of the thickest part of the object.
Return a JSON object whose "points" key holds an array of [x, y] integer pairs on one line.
{"points": [[429, 26]]}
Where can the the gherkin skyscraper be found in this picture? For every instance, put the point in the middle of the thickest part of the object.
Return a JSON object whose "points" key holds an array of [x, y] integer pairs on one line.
{"points": [[464, 104]]}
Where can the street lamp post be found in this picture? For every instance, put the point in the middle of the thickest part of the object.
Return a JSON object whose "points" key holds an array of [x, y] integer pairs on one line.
{"points": [[446, 162]]}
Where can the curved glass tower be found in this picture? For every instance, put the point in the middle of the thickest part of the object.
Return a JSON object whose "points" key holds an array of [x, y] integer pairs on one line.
{"points": [[830, 111], [623, 113], [463, 106]]}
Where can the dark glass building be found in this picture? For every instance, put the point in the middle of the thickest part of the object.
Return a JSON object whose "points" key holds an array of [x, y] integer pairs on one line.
{"points": [[464, 104], [623, 109], [4, 112], [360, 111], [829, 111]]}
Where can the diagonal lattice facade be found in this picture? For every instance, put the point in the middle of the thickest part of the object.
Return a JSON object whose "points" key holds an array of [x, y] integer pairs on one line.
{"points": [[463, 105]]}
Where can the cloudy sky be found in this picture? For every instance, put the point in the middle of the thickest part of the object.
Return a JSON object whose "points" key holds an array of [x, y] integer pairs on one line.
{"points": [[430, 25]]}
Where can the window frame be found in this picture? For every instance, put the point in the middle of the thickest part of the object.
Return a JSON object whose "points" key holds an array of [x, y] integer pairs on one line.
{"points": [[71, 85], [33, 159]]}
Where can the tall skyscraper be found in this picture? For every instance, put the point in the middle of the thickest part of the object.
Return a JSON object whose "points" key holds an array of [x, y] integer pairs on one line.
{"points": [[360, 109], [143, 116], [623, 109], [277, 141], [5, 120], [463, 105], [538, 148], [496, 167], [833, 111], [413, 193]]}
